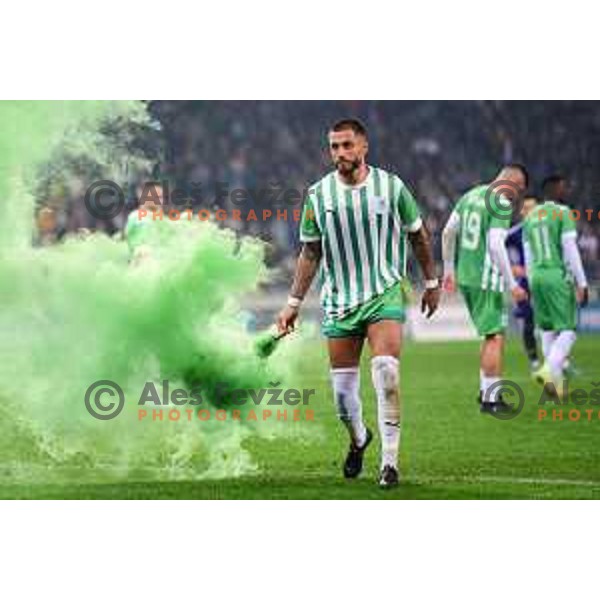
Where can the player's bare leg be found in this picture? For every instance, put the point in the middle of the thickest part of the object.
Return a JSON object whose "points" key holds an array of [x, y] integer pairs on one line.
{"points": [[491, 364], [344, 358], [385, 340], [492, 350], [345, 352]]}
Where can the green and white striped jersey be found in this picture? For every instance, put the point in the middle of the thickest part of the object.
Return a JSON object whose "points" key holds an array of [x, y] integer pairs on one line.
{"points": [[362, 230]]}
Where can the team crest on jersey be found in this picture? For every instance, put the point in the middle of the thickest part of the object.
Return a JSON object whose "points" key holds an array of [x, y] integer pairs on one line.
{"points": [[381, 204]]}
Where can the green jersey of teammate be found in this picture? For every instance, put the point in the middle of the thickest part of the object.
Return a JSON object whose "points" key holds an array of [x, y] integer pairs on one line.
{"points": [[477, 216], [138, 231], [553, 266], [543, 232]]}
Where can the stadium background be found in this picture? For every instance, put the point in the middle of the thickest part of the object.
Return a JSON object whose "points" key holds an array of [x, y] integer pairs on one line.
{"points": [[440, 148], [448, 450]]}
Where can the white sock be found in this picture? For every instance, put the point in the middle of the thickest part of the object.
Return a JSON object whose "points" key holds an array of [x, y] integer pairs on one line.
{"points": [[384, 371], [548, 338], [485, 382], [560, 351], [346, 387]]}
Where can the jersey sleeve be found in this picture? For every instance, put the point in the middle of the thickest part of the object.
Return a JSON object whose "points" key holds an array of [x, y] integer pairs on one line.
{"points": [[567, 225], [500, 210], [449, 235], [309, 228], [409, 210]]}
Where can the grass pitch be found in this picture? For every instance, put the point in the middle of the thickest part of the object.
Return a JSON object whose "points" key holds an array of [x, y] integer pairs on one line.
{"points": [[448, 449]]}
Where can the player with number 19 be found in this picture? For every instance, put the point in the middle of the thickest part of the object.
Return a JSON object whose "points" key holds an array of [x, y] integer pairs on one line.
{"points": [[479, 223]]}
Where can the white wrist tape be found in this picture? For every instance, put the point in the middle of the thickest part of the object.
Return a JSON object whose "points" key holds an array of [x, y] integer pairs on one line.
{"points": [[294, 302]]}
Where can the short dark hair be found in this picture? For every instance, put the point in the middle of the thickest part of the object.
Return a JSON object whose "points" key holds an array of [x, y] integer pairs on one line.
{"points": [[353, 124], [522, 168], [549, 184]]}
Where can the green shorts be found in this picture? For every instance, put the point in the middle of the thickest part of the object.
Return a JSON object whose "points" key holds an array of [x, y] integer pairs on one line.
{"points": [[386, 306], [487, 310], [554, 301]]}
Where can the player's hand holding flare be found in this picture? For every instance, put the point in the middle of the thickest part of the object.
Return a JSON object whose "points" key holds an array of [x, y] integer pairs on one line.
{"points": [[286, 320]]}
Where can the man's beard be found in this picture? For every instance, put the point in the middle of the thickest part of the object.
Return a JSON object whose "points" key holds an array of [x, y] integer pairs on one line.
{"points": [[347, 167]]}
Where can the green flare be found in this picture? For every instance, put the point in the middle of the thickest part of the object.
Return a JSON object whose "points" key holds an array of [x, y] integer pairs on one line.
{"points": [[266, 343]]}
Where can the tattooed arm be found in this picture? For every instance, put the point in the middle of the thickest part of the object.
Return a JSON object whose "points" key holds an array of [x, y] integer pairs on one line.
{"points": [[421, 244], [306, 269]]}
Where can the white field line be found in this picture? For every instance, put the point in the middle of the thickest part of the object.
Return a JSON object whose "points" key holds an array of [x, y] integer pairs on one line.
{"points": [[511, 480]]}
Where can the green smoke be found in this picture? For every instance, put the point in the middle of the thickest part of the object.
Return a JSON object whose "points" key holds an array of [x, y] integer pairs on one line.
{"points": [[76, 312]]}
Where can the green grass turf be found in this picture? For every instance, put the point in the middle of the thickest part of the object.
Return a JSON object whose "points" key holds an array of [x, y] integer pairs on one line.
{"points": [[448, 449]]}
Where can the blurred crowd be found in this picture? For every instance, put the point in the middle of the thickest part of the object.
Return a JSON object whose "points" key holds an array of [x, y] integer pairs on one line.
{"points": [[439, 148]]}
